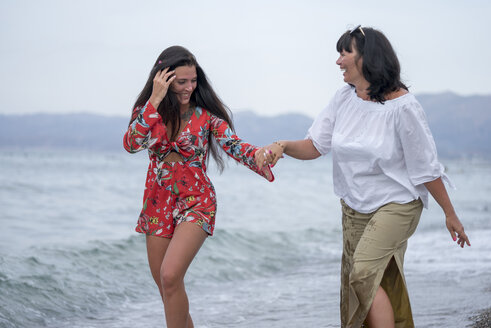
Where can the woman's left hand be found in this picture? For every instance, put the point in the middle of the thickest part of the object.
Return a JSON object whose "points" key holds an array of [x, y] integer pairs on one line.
{"points": [[456, 230]]}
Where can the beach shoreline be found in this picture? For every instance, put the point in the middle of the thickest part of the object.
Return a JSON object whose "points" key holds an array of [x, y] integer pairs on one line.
{"points": [[482, 319]]}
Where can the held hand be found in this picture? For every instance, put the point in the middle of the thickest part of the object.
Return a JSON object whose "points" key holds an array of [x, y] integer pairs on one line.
{"points": [[161, 83], [263, 157], [276, 150], [456, 230], [269, 155]]}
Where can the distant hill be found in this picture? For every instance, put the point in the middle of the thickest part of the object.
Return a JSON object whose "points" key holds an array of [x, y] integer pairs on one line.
{"points": [[102, 133], [263, 130], [74, 131], [460, 126]]}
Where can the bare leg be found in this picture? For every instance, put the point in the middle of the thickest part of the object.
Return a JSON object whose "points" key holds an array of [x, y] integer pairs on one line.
{"points": [[381, 314], [156, 248], [185, 244]]}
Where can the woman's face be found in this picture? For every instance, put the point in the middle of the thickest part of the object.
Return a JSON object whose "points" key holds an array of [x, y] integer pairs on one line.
{"points": [[184, 83], [350, 64]]}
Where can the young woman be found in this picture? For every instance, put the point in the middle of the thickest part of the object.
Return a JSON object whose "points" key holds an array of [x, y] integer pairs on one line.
{"points": [[179, 119], [384, 165]]}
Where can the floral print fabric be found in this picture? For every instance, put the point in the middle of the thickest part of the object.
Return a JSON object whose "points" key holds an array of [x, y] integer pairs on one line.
{"points": [[181, 191]]}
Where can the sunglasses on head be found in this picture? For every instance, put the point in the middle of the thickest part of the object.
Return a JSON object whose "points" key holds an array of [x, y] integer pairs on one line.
{"points": [[353, 30]]}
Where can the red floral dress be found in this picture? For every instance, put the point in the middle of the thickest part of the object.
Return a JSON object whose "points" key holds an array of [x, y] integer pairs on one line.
{"points": [[178, 192]]}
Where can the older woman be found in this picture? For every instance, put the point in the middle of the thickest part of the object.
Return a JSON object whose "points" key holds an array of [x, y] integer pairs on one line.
{"points": [[384, 164]]}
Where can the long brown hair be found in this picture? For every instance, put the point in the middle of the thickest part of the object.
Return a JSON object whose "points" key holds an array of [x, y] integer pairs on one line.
{"points": [[203, 96]]}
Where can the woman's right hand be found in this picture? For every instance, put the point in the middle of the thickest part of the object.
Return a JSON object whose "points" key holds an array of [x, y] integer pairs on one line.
{"points": [[161, 83], [272, 153], [276, 150]]}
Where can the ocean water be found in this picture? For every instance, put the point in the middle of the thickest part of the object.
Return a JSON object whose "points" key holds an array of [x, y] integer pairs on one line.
{"points": [[69, 256]]}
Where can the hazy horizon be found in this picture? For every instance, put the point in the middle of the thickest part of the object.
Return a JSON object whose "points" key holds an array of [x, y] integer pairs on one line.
{"points": [[269, 57]]}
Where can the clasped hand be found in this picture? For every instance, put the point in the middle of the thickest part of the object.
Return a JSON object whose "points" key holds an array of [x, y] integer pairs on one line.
{"points": [[268, 155]]}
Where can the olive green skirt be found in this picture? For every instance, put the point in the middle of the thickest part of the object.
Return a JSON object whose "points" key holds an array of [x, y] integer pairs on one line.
{"points": [[373, 255]]}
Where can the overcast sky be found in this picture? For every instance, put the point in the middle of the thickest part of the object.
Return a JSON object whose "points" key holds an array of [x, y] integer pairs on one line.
{"points": [[271, 57]]}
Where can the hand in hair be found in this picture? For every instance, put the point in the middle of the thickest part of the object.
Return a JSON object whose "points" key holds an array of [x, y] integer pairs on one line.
{"points": [[161, 83]]}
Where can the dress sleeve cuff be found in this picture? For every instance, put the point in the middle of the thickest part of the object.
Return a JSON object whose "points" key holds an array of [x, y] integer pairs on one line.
{"points": [[265, 172]]}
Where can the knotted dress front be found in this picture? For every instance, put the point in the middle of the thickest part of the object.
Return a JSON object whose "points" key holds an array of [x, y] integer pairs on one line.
{"points": [[178, 192]]}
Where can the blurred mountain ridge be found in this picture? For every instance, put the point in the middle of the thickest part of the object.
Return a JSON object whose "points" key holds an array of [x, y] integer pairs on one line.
{"points": [[460, 126]]}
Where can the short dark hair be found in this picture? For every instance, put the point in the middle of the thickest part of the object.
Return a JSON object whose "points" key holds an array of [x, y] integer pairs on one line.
{"points": [[380, 67]]}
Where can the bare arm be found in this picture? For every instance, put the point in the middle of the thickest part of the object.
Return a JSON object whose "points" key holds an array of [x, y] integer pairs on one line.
{"points": [[299, 149], [454, 226]]}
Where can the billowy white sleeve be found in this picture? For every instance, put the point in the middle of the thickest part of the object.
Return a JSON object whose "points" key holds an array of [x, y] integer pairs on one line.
{"points": [[322, 128], [420, 153]]}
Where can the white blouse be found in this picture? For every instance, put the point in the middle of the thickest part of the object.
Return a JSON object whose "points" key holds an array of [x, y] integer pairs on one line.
{"points": [[381, 153]]}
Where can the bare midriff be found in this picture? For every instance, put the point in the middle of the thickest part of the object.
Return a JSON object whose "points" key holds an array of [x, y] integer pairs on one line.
{"points": [[173, 157]]}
